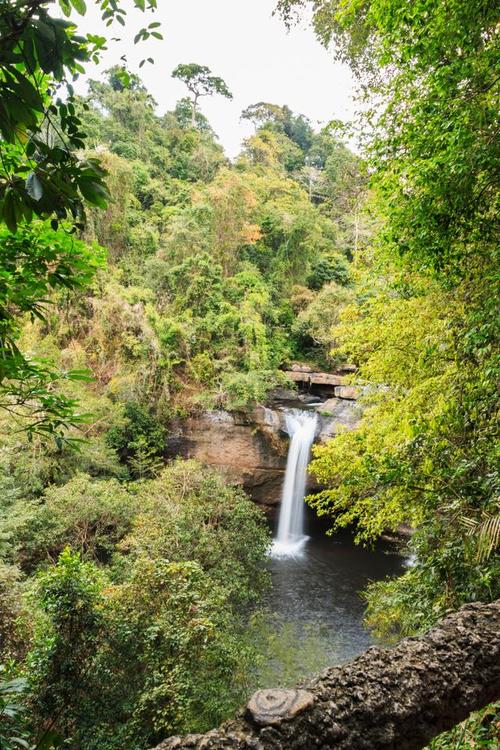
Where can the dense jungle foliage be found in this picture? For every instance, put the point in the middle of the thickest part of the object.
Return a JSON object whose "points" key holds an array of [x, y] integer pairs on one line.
{"points": [[131, 590], [144, 276], [423, 325]]}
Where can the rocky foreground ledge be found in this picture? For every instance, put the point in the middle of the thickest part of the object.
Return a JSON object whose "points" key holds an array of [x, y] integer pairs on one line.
{"points": [[386, 699]]}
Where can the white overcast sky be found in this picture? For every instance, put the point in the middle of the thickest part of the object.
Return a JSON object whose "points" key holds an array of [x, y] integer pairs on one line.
{"points": [[251, 50]]}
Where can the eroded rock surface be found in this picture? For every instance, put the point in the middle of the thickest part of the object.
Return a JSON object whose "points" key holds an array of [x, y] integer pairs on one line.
{"points": [[386, 699], [314, 378], [337, 415], [267, 707], [249, 450]]}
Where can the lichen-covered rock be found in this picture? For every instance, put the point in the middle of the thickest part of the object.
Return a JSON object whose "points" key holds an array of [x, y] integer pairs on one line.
{"points": [[386, 699], [337, 415]]}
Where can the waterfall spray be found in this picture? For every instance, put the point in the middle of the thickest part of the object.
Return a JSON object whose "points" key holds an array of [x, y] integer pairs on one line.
{"points": [[290, 539]]}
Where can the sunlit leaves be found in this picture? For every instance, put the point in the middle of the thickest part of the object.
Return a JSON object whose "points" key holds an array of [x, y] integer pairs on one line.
{"points": [[428, 443]]}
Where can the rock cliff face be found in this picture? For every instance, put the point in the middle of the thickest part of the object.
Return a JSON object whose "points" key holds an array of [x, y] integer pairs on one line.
{"points": [[250, 449]]}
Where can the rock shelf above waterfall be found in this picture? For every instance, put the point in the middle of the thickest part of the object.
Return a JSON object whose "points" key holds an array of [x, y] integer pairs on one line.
{"points": [[324, 384], [315, 378]]}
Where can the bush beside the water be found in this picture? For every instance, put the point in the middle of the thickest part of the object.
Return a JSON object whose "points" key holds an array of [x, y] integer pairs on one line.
{"points": [[139, 632]]}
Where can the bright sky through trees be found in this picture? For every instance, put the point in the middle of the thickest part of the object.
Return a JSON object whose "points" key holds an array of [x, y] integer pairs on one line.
{"points": [[249, 48]]}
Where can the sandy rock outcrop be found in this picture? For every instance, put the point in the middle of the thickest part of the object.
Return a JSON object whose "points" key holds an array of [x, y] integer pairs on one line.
{"points": [[249, 450]]}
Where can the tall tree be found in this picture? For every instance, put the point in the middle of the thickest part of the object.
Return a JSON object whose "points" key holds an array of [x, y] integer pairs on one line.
{"points": [[200, 82]]}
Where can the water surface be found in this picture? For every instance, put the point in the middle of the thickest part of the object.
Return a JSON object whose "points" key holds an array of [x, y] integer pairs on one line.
{"points": [[319, 591]]}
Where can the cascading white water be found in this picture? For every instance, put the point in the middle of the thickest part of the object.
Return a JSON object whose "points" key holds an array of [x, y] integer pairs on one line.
{"points": [[290, 539]]}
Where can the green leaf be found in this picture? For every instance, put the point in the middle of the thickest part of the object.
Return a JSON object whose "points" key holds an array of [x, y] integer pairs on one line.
{"points": [[50, 741], [65, 7], [94, 192], [9, 211], [79, 6]]}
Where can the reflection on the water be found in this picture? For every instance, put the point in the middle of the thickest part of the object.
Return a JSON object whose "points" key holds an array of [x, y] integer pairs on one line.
{"points": [[321, 589]]}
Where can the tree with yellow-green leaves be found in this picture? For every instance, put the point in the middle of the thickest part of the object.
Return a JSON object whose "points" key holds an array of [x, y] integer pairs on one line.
{"points": [[423, 329]]}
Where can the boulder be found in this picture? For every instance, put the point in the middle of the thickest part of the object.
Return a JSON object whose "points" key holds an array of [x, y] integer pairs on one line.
{"points": [[314, 378], [346, 367], [337, 415], [308, 399], [300, 367], [351, 392], [281, 394]]}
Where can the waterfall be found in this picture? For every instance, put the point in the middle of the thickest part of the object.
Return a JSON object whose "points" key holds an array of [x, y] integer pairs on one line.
{"points": [[290, 539]]}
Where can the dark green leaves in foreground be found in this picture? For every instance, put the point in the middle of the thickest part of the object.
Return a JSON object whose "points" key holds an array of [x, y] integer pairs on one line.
{"points": [[41, 171]]}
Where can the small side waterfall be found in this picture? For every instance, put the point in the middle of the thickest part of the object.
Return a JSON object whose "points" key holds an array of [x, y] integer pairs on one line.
{"points": [[290, 539]]}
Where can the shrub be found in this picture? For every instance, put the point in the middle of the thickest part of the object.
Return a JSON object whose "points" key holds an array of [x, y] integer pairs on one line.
{"points": [[326, 269], [67, 634], [189, 513], [13, 724], [139, 439], [89, 515], [240, 390], [13, 616]]}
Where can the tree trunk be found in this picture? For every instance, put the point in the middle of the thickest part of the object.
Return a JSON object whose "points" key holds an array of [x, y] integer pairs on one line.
{"points": [[194, 107], [386, 699]]}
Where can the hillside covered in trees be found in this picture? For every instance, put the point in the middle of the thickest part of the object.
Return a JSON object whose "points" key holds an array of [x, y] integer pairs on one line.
{"points": [[145, 278]]}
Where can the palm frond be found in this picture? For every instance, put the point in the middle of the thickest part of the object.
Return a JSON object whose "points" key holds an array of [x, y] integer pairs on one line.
{"points": [[487, 533]]}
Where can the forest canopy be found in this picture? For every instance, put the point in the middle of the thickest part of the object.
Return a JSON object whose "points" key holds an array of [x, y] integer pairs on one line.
{"points": [[146, 278]]}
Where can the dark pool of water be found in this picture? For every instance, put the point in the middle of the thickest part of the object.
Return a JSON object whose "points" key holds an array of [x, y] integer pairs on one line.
{"points": [[319, 591]]}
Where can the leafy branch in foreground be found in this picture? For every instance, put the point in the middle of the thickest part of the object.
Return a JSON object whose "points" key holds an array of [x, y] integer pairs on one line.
{"points": [[41, 171], [424, 325], [44, 176], [36, 263]]}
